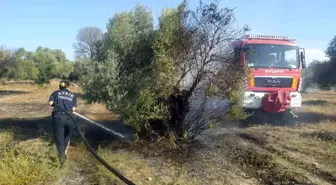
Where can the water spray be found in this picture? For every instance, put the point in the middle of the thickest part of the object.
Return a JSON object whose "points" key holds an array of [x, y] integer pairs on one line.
{"points": [[100, 126]]}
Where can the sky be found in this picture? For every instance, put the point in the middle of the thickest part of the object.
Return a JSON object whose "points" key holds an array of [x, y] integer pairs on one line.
{"points": [[54, 24]]}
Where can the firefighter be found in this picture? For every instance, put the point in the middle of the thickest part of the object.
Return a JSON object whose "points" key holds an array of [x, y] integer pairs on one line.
{"points": [[61, 123]]}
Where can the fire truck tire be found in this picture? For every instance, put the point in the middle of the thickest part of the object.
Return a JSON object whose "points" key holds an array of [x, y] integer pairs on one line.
{"points": [[250, 112], [260, 117], [286, 118]]}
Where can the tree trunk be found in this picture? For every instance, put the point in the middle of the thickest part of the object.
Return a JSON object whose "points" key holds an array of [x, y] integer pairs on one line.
{"points": [[178, 107]]}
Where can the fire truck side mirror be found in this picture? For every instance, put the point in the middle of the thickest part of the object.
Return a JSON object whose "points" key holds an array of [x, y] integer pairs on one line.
{"points": [[303, 60]]}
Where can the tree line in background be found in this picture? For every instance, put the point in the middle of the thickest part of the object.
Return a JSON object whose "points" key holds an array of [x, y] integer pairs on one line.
{"points": [[322, 74], [40, 66], [45, 64]]}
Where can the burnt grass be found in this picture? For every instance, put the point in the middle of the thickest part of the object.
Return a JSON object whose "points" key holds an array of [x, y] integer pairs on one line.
{"points": [[254, 161], [258, 162], [7, 93], [209, 160], [25, 129], [327, 176]]}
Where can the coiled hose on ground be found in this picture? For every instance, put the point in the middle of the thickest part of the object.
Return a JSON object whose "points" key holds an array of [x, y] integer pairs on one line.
{"points": [[100, 159]]}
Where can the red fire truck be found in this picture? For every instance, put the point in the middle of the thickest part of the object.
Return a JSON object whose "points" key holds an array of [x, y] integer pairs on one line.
{"points": [[275, 80]]}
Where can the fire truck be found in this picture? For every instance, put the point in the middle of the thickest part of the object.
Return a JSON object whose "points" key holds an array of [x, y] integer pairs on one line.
{"points": [[274, 82]]}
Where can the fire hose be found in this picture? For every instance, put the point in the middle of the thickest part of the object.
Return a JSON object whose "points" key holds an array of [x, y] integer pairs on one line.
{"points": [[100, 159]]}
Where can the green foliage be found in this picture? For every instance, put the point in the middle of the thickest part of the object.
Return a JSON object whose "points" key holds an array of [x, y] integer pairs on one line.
{"points": [[143, 72], [64, 69], [212, 125], [101, 82], [47, 65], [142, 109], [122, 80], [130, 37], [80, 70], [331, 49], [229, 84], [236, 112], [322, 73], [170, 47], [22, 165], [27, 70], [7, 62], [40, 66], [319, 74]]}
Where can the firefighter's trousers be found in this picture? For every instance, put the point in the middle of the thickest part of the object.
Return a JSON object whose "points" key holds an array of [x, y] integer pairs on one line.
{"points": [[62, 130]]}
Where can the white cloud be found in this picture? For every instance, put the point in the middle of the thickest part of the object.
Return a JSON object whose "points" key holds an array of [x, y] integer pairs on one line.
{"points": [[315, 54]]}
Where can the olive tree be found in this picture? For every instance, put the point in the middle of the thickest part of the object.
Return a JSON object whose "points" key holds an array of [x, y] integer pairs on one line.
{"points": [[150, 76]]}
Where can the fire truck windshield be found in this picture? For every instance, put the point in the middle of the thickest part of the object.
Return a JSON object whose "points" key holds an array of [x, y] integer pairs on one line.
{"points": [[272, 56]]}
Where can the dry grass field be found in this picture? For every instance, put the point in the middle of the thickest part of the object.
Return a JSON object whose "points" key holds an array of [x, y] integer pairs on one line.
{"points": [[285, 153]]}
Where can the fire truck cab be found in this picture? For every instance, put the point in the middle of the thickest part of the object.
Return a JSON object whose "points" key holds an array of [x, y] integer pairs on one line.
{"points": [[275, 77]]}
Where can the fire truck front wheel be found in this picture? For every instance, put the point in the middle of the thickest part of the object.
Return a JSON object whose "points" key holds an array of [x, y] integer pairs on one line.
{"points": [[250, 112]]}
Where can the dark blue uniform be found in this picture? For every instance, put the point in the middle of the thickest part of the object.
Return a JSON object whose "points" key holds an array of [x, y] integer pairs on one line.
{"points": [[62, 124]]}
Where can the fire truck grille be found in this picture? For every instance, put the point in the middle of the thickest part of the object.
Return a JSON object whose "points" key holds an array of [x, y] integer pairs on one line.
{"points": [[273, 82]]}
